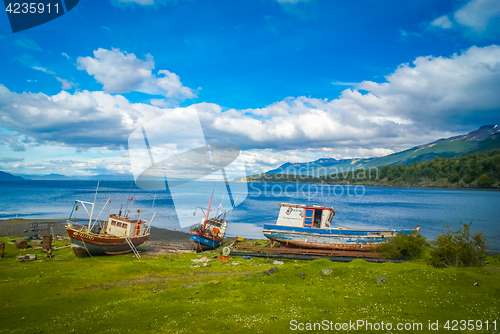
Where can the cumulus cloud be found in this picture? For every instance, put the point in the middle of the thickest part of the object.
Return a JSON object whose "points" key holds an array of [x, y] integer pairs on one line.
{"points": [[436, 92], [478, 16], [83, 119], [431, 98], [121, 72], [15, 142]]}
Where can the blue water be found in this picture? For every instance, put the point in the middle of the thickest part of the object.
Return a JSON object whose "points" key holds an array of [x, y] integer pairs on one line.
{"points": [[362, 207]]}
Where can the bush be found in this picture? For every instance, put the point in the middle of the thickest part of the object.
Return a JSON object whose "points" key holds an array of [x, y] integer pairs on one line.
{"points": [[458, 248], [404, 247], [484, 181], [454, 177], [467, 179]]}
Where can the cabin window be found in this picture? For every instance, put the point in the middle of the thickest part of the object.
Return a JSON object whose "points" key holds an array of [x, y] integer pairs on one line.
{"points": [[317, 218], [124, 225], [113, 222], [119, 224]]}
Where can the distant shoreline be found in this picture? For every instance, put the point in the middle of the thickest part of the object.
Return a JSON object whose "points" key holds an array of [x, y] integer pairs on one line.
{"points": [[326, 184], [378, 185]]}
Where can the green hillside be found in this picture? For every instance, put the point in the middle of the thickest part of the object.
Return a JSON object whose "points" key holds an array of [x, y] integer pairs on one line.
{"points": [[474, 170], [442, 149], [483, 139]]}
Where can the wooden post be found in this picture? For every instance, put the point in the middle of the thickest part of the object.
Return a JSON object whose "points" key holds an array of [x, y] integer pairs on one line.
{"points": [[46, 243], [2, 249]]}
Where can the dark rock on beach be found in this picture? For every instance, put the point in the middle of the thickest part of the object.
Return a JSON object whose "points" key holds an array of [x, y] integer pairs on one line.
{"points": [[381, 279], [271, 271]]}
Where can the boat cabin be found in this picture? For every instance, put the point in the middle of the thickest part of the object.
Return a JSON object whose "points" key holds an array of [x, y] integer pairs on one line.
{"points": [[297, 215], [214, 227], [125, 227]]}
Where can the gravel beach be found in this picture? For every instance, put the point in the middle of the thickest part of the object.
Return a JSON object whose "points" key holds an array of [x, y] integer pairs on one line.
{"points": [[160, 238]]}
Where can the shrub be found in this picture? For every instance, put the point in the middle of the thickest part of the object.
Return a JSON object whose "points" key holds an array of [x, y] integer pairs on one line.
{"points": [[404, 247], [454, 177], [467, 179], [484, 181], [458, 248]]}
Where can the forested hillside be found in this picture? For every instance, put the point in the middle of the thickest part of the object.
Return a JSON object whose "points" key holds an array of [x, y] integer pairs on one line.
{"points": [[477, 170]]}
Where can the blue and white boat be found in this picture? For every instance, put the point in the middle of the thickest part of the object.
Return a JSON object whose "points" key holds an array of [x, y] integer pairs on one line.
{"points": [[210, 233], [309, 227]]}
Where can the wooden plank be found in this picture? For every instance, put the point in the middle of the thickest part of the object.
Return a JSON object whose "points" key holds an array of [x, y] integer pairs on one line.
{"points": [[304, 251]]}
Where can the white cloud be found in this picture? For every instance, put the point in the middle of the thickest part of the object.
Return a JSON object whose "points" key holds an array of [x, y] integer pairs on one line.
{"points": [[442, 22], [65, 55], [482, 17], [340, 83], [121, 72], [292, 1], [43, 69], [66, 84], [438, 91], [140, 2], [27, 44], [261, 160], [83, 119], [67, 161], [477, 14], [431, 98]]}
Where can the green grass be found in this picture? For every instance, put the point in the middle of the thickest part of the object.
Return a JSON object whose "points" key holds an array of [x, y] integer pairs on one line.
{"points": [[120, 294]]}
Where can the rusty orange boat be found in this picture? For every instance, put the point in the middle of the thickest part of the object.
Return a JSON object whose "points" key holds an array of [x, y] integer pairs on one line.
{"points": [[117, 235]]}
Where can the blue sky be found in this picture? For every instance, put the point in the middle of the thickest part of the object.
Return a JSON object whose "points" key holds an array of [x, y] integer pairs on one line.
{"points": [[284, 80]]}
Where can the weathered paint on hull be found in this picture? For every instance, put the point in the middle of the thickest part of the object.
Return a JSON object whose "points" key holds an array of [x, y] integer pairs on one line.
{"points": [[342, 239], [85, 244], [201, 243]]}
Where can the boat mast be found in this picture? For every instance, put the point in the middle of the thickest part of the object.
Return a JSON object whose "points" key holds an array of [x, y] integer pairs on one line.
{"points": [[104, 206], [148, 227], [208, 210], [92, 210]]}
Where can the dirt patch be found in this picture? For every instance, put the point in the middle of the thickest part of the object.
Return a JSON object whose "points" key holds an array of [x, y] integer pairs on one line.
{"points": [[124, 283]]}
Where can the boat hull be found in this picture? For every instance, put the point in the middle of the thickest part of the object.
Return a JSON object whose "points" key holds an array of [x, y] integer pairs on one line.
{"points": [[201, 242], [340, 239], [86, 244]]}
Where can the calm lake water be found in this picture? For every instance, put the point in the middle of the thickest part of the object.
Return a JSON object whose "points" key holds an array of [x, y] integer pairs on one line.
{"points": [[367, 207]]}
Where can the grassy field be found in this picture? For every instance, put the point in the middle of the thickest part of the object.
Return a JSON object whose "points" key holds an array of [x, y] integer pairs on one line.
{"points": [[165, 294]]}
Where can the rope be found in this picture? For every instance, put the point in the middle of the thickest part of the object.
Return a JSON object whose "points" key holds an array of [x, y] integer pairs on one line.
{"points": [[88, 250]]}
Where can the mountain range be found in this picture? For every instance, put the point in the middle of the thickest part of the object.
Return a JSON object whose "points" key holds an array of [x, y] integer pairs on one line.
{"points": [[485, 138]]}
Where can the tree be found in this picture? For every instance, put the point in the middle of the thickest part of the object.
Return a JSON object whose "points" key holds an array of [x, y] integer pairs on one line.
{"points": [[484, 181], [458, 248]]}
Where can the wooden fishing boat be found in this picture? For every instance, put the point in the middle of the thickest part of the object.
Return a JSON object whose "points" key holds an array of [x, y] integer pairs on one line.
{"points": [[309, 227], [117, 235], [210, 233]]}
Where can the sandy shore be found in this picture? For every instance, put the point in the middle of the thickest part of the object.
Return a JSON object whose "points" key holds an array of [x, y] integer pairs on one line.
{"points": [[160, 239]]}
